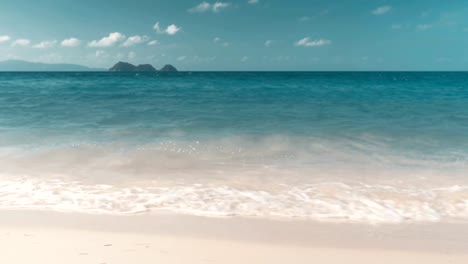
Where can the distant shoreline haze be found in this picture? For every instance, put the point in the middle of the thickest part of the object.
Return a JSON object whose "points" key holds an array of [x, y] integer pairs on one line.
{"points": [[27, 66], [20, 65]]}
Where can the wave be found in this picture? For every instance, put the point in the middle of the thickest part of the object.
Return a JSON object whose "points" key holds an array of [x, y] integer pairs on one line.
{"points": [[367, 180], [329, 201]]}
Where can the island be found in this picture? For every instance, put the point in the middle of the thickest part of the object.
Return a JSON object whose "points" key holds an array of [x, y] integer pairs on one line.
{"points": [[128, 67], [29, 66], [168, 68]]}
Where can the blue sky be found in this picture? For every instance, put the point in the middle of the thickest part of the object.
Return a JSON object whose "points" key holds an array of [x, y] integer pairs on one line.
{"points": [[240, 35]]}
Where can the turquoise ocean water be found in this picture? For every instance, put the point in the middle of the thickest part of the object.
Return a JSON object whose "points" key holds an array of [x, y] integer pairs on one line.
{"points": [[345, 146]]}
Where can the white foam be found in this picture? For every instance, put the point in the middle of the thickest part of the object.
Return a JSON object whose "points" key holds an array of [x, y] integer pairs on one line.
{"points": [[348, 180], [326, 201]]}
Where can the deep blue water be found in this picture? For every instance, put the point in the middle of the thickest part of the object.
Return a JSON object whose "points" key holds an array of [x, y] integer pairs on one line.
{"points": [[416, 110]]}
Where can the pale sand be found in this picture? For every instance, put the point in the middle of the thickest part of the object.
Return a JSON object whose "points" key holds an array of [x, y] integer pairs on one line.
{"points": [[53, 238]]}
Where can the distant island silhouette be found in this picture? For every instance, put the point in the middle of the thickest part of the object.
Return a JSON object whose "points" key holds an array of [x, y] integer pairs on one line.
{"points": [[27, 66], [128, 67]]}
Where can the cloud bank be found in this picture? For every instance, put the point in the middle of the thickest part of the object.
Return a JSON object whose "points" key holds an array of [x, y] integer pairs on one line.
{"points": [[133, 40], [207, 7], [21, 42], [4, 38], [71, 42], [306, 42], [108, 41], [381, 10], [170, 30], [45, 44]]}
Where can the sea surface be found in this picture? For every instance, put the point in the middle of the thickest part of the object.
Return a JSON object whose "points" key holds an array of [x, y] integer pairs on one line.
{"points": [[373, 147]]}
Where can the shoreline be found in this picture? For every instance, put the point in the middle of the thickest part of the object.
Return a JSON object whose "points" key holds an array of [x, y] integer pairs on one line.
{"points": [[451, 236], [58, 237]]}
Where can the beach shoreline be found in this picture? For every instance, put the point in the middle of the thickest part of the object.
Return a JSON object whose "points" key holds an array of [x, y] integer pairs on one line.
{"points": [[56, 237]]}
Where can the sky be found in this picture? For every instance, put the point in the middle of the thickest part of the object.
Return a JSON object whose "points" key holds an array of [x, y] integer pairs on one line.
{"points": [[265, 35]]}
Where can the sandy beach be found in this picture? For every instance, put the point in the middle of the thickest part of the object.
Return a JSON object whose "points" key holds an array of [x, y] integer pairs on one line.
{"points": [[233, 132], [46, 237]]}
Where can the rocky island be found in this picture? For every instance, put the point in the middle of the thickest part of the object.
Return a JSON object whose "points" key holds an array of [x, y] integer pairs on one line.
{"points": [[128, 67], [168, 68]]}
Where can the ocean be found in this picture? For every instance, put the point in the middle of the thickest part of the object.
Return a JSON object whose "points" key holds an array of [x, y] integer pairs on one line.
{"points": [[370, 147]]}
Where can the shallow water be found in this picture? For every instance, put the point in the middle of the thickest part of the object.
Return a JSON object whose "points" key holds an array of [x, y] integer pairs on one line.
{"points": [[367, 147]]}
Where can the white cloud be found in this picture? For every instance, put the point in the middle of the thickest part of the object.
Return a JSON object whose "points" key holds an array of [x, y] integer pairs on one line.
{"points": [[244, 59], [4, 38], [181, 58], [268, 43], [216, 40], [220, 5], [108, 41], [202, 7], [396, 26], [170, 30], [21, 42], [45, 44], [131, 55], [304, 19], [71, 42], [205, 7], [153, 42], [253, 2], [381, 10], [423, 27], [306, 42], [133, 40]]}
